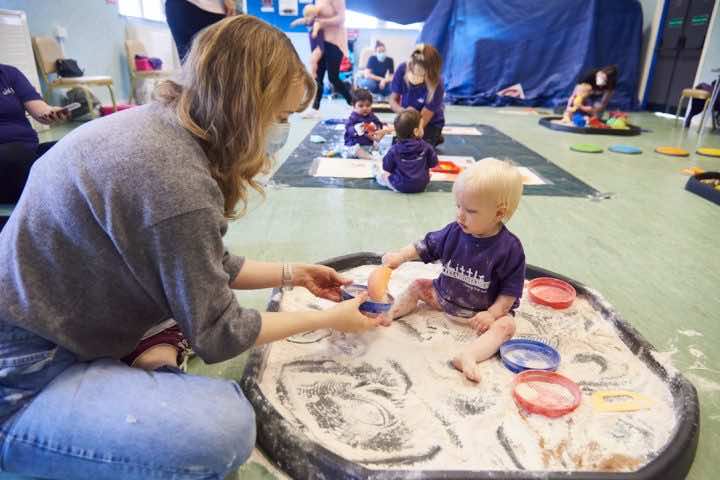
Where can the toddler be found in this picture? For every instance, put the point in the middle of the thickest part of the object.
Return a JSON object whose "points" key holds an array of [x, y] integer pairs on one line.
{"points": [[317, 38], [576, 102], [363, 128], [406, 166], [483, 263]]}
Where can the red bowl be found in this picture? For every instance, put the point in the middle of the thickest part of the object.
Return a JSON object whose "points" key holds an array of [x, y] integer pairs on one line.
{"points": [[551, 292]]}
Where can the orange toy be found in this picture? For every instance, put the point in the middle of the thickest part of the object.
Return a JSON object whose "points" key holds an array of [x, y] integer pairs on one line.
{"points": [[378, 283], [445, 166], [370, 128]]}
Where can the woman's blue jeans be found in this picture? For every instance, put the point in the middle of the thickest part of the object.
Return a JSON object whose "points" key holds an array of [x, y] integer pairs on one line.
{"points": [[70, 420]]}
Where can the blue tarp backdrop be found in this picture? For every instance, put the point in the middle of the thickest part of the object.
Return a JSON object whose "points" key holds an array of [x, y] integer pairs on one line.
{"points": [[488, 45], [399, 11]]}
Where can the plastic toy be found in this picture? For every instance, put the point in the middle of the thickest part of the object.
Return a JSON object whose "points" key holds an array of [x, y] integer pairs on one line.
{"points": [[378, 283], [546, 393], [579, 119], [551, 292], [369, 308], [445, 166], [619, 401], [595, 122], [692, 171], [713, 182], [619, 114], [620, 124], [525, 354], [331, 152]]}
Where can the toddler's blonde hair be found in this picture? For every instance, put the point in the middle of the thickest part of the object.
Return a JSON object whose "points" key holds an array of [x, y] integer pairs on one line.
{"points": [[493, 179]]}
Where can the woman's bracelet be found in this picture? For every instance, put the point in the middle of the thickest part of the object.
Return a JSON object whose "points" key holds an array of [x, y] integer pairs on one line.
{"points": [[287, 277]]}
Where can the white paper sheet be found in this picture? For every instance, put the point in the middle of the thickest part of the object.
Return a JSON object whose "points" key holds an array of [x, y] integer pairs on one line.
{"points": [[530, 177], [450, 130], [342, 168]]}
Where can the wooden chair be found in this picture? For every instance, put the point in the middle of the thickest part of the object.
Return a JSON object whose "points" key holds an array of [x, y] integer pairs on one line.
{"points": [[697, 94], [136, 47], [47, 51]]}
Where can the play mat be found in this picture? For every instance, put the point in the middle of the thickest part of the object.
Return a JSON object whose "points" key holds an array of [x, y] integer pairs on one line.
{"points": [[387, 403]]}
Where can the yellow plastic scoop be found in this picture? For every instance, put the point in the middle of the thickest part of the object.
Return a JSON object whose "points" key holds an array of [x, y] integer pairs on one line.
{"points": [[620, 401]]}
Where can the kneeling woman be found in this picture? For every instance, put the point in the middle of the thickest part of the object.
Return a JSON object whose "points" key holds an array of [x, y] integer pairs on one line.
{"points": [[418, 85], [119, 230]]}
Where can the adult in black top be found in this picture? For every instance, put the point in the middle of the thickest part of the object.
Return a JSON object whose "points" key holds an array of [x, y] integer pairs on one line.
{"points": [[379, 71]]}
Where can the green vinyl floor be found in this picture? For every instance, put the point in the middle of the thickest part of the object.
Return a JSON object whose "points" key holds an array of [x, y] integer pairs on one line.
{"points": [[652, 249]]}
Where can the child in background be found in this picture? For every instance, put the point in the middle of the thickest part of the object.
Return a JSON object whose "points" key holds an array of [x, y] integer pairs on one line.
{"points": [[406, 166], [483, 263], [317, 38], [577, 102], [363, 128]]}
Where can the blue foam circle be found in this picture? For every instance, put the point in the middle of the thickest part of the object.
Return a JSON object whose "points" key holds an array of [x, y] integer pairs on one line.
{"points": [[523, 354], [626, 149]]}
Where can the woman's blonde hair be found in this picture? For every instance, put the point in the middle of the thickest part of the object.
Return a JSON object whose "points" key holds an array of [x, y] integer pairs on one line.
{"points": [[233, 82], [429, 58], [494, 179]]}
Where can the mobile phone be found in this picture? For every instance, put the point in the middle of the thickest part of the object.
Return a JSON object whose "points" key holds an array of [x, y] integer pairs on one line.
{"points": [[70, 107]]}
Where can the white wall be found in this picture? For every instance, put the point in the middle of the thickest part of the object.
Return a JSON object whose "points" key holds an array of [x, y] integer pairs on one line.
{"points": [[652, 13], [710, 58]]}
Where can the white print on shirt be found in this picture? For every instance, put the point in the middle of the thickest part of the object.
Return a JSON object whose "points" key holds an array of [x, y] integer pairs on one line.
{"points": [[467, 276], [8, 91], [408, 160]]}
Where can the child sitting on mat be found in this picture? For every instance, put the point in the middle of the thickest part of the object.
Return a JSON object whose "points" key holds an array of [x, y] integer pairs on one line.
{"points": [[483, 263], [406, 166], [363, 128], [317, 37], [577, 102]]}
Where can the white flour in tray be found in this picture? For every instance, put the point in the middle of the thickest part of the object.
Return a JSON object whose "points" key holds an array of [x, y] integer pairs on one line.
{"points": [[389, 398]]}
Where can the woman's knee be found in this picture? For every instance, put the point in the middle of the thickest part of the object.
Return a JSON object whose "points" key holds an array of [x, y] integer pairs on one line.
{"points": [[226, 432]]}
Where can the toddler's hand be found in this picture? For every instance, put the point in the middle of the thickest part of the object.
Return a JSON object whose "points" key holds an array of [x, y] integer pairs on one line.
{"points": [[377, 136], [482, 321], [392, 260]]}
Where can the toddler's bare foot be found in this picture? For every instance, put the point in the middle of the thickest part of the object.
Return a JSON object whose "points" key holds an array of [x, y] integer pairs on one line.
{"points": [[468, 366]]}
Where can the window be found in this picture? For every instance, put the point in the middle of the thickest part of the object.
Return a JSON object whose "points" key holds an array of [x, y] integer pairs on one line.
{"points": [[147, 9], [360, 20]]}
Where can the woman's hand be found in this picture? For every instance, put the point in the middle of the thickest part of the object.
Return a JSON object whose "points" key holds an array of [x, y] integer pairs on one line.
{"points": [[346, 316], [230, 7], [322, 281], [52, 115]]}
